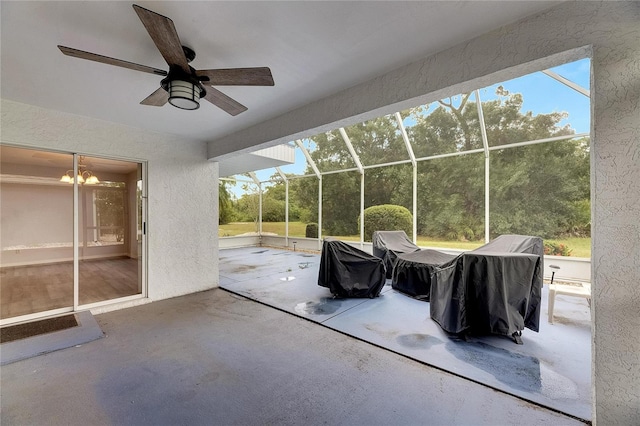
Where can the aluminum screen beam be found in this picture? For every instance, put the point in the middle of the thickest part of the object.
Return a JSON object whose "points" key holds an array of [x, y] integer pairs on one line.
{"points": [[485, 145], [405, 138], [308, 157], [568, 83], [352, 151], [414, 163], [286, 205], [257, 182]]}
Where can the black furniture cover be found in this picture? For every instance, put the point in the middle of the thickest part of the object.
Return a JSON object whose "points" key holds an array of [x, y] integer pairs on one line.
{"points": [[412, 272], [350, 272], [387, 245], [494, 289]]}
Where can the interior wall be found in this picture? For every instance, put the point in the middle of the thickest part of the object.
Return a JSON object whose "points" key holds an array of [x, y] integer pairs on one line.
{"points": [[608, 32], [182, 191], [34, 204]]}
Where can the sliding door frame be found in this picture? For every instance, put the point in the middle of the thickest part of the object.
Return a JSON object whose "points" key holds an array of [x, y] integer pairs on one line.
{"points": [[142, 253]]}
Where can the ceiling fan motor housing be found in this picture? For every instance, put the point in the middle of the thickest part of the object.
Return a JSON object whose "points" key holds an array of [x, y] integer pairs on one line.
{"points": [[189, 53]]}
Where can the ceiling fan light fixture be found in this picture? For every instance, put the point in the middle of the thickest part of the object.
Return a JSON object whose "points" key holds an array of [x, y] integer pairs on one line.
{"points": [[184, 94]]}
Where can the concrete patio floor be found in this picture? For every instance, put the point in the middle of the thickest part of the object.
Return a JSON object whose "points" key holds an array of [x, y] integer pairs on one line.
{"points": [[552, 368], [215, 358]]}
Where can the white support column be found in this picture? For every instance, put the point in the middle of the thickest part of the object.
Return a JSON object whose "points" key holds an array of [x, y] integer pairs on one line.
{"points": [[286, 206], [356, 160], [260, 209], [362, 210], [415, 204], [313, 166], [412, 156], [485, 144], [320, 212], [286, 213], [255, 179]]}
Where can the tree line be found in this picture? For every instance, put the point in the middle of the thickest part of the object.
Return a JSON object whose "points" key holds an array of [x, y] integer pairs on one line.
{"points": [[539, 189]]}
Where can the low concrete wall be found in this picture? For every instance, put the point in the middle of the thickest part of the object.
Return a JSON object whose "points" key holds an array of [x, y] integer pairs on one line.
{"points": [[297, 243], [239, 241], [571, 268]]}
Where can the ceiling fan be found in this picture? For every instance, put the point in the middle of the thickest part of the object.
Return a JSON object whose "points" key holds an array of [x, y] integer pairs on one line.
{"points": [[183, 86]]}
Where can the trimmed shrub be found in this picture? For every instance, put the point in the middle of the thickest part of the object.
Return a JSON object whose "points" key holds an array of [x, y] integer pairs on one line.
{"points": [[386, 217], [311, 231]]}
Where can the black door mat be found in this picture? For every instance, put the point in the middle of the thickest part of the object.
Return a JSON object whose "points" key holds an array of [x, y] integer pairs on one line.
{"points": [[35, 328], [85, 331]]}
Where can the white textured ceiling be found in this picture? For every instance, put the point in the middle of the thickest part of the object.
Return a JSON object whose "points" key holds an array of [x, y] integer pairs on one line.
{"points": [[314, 49]]}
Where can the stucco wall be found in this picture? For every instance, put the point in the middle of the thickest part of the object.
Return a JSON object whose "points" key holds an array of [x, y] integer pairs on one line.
{"points": [[182, 189], [609, 32]]}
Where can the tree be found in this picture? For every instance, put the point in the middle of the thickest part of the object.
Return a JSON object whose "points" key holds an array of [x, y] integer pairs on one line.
{"points": [[540, 189], [110, 209], [247, 207], [225, 204], [376, 141], [534, 190], [303, 197]]}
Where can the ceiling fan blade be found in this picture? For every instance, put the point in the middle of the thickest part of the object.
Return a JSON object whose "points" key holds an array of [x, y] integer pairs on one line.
{"points": [[259, 76], [164, 35], [157, 98], [69, 51], [224, 102]]}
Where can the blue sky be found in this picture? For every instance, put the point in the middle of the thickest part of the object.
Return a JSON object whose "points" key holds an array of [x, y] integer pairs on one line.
{"points": [[541, 94]]}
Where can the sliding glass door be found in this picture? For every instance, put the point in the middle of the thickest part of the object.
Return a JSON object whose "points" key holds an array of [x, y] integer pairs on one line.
{"points": [[109, 253], [36, 224], [44, 269]]}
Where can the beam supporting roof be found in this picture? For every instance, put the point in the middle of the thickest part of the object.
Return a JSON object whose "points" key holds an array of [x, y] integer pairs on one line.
{"points": [[310, 161], [483, 127], [487, 166], [254, 177], [352, 151], [575, 86], [281, 173], [405, 138]]}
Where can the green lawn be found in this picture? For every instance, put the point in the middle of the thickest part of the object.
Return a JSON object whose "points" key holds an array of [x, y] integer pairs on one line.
{"points": [[580, 247]]}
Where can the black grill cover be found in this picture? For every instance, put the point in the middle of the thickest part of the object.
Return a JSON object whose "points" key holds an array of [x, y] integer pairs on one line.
{"points": [[412, 272], [490, 289], [350, 272], [387, 245]]}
